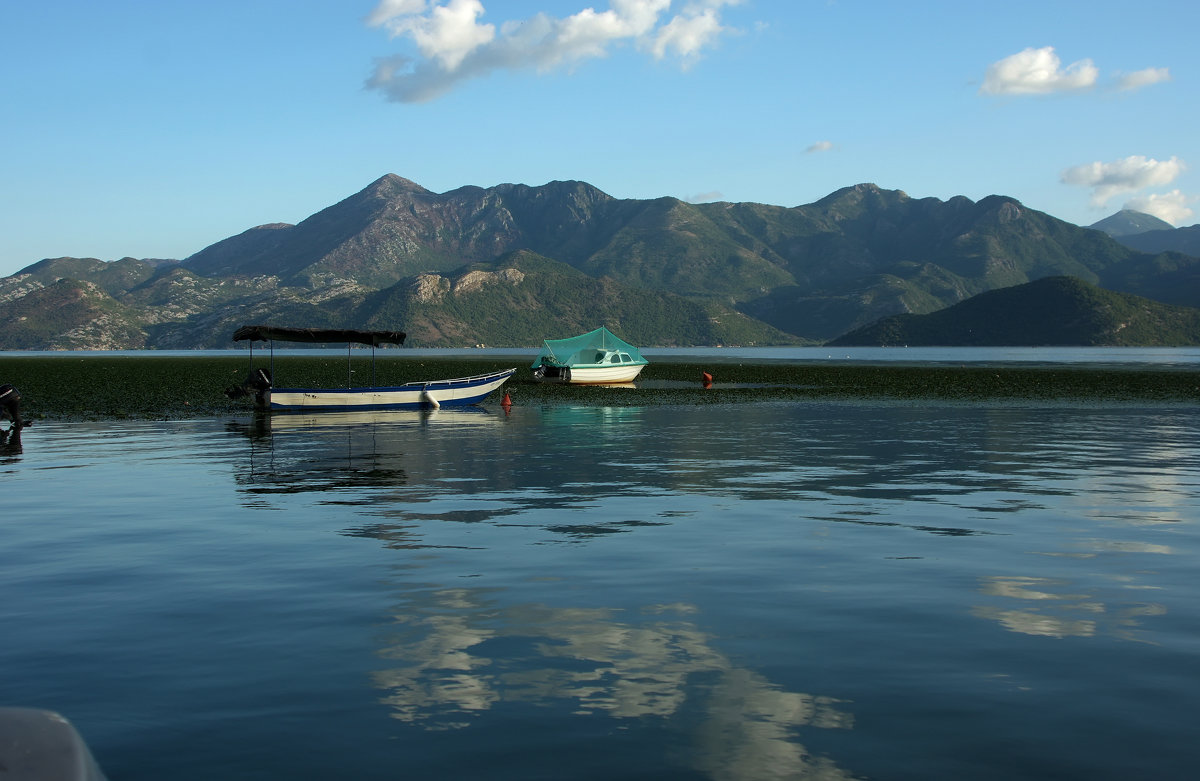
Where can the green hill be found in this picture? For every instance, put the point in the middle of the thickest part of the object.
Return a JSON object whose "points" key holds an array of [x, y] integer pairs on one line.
{"points": [[1052, 311], [516, 301], [69, 314], [524, 298], [1185, 241]]}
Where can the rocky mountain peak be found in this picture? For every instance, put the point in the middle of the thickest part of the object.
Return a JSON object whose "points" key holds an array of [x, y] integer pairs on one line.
{"points": [[1128, 222], [391, 184], [859, 196]]}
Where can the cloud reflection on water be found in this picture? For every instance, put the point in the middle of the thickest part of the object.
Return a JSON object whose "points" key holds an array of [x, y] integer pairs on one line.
{"points": [[1061, 610], [460, 655]]}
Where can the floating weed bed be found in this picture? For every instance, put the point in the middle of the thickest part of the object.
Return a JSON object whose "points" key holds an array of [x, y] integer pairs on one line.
{"points": [[81, 386]]}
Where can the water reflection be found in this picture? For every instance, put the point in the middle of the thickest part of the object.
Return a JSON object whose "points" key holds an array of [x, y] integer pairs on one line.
{"points": [[460, 655], [335, 451], [746, 589], [1006, 487], [587, 473], [1050, 607], [10, 444]]}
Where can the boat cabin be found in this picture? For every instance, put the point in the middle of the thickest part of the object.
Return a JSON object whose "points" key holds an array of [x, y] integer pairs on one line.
{"points": [[609, 357]]}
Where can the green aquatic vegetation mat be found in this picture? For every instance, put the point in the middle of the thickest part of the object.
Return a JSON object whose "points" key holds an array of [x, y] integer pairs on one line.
{"points": [[95, 387]]}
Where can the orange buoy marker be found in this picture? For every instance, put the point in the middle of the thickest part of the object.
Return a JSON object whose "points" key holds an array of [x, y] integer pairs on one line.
{"points": [[707, 378], [507, 402]]}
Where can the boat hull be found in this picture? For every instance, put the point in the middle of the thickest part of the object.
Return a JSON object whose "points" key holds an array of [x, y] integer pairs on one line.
{"points": [[593, 375], [458, 392]]}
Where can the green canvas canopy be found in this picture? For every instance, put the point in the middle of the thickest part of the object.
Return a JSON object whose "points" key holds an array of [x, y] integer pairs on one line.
{"points": [[588, 349]]}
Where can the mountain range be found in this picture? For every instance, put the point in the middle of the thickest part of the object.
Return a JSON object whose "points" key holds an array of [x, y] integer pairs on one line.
{"points": [[513, 264]]}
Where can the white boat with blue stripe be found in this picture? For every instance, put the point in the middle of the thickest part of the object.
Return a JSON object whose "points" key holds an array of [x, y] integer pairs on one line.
{"points": [[422, 394], [432, 394]]}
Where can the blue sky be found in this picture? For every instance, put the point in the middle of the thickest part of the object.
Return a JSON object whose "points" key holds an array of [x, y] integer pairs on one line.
{"points": [[155, 128]]}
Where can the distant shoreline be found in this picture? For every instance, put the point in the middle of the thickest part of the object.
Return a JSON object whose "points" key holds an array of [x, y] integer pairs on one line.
{"points": [[1043, 355], [68, 387]]}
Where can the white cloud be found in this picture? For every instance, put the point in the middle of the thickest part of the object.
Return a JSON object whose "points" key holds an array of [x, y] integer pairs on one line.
{"points": [[1129, 174], [1142, 78], [1040, 72], [447, 34], [455, 46], [687, 35], [389, 9], [820, 146], [1172, 207], [1037, 72]]}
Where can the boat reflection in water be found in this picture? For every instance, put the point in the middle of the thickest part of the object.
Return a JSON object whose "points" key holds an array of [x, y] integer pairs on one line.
{"points": [[10, 410], [340, 421], [10, 442], [299, 452]]}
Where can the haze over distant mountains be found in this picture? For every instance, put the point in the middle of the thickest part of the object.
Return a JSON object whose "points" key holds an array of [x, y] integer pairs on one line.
{"points": [[1130, 223], [512, 264], [1145, 233]]}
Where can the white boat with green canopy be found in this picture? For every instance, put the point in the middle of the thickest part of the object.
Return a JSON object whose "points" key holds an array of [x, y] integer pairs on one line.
{"points": [[595, 357]]}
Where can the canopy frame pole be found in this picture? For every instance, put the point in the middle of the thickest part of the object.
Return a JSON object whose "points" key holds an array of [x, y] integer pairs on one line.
{"points": [[348, 371]]}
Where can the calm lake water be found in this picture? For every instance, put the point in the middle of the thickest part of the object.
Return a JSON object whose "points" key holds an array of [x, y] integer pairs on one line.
{"points": [[824, 591]]}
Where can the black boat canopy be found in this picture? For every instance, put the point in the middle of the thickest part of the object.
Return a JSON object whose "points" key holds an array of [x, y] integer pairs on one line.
{"points": [[267, 333]]}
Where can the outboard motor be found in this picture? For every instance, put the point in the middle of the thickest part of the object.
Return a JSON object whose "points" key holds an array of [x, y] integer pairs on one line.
{"points": [[257, 382], [10, 406]]}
